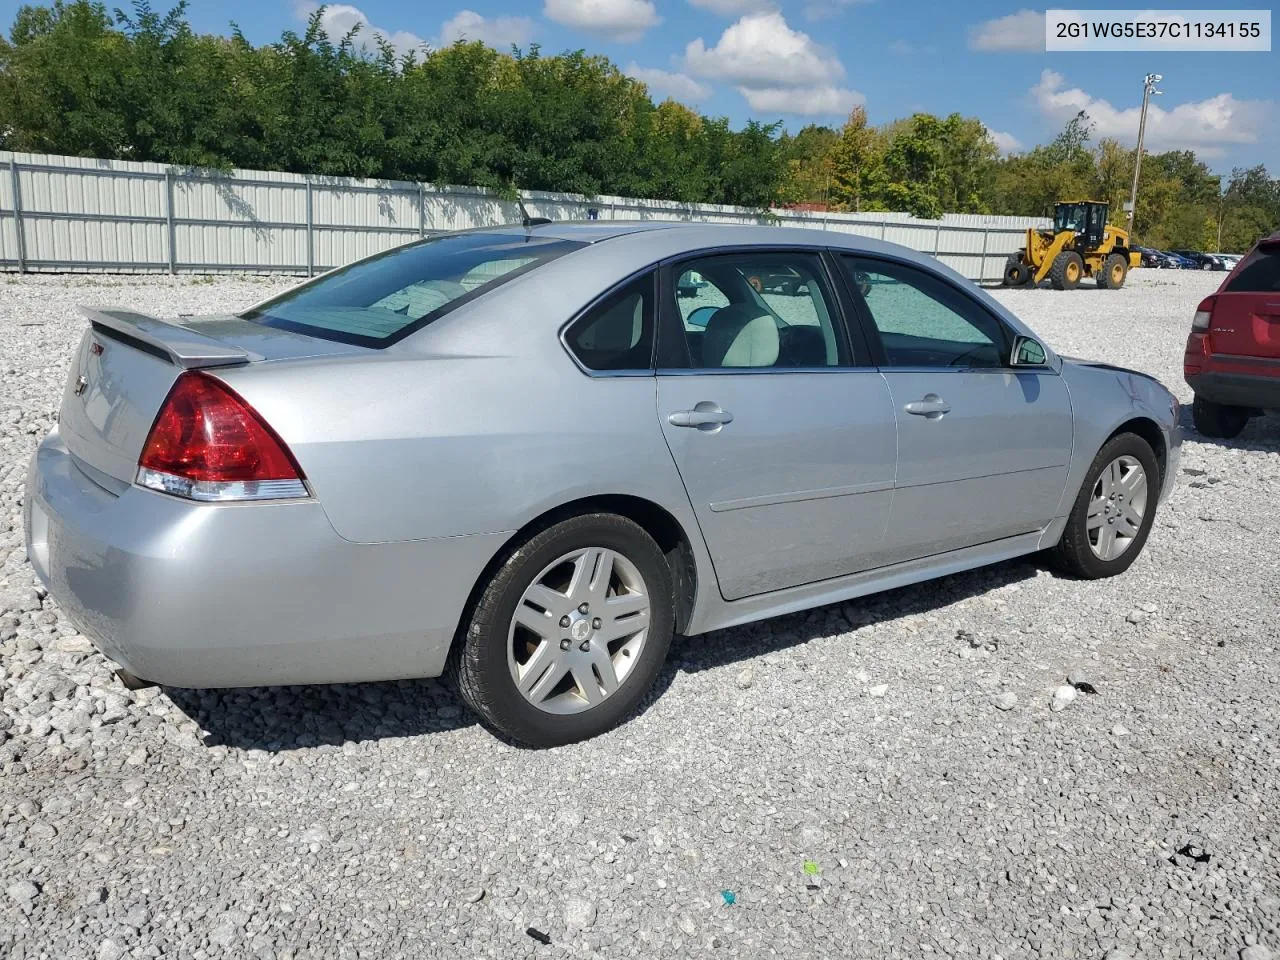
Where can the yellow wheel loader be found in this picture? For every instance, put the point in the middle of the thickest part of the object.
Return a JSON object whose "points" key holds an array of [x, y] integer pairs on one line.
{"points": [[1081, 244]]}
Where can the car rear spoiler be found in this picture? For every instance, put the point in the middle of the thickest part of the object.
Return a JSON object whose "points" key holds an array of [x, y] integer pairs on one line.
{"points": [[166, 339]]}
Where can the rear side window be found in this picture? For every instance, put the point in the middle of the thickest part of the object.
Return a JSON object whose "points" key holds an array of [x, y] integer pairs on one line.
{"points": [[617, 333], [1260, 273], [375, 302]]}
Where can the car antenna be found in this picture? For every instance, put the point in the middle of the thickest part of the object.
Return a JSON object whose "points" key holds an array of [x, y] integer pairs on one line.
{"points": [[525, 219]]}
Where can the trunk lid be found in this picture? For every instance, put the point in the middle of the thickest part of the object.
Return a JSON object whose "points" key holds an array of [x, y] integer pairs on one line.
{"points": [[1246, 311], [127, 362]]}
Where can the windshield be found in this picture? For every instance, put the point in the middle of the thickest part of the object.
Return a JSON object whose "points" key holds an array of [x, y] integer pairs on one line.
{"points": [[1068, 216], [382, 299]]}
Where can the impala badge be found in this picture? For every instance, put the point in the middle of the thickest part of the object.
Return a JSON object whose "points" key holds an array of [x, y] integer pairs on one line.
{"points": [[96, 348], [82, 384]]}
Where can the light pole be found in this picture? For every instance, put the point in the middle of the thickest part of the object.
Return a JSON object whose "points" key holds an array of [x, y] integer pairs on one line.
{"points": [[1148, 91]]}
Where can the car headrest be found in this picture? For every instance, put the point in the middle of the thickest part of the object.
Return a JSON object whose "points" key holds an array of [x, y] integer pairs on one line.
{"points": [[740, 335]]}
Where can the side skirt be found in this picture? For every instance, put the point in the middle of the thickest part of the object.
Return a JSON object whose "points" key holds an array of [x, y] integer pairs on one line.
{"points": [[719, 614]]}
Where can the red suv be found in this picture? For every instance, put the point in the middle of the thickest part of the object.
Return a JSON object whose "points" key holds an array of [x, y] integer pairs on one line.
{"points": [[1233, 354]]}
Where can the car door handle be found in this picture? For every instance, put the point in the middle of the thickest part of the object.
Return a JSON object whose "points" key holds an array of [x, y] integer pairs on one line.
{"points": [[705, 415], [932, 406]]}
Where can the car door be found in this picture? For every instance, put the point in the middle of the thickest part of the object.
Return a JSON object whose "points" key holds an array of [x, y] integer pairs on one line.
{"points": [[783, 433], [983, 448]]}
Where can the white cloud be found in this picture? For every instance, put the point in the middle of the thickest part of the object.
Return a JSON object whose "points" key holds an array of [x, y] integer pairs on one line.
{"points": [[339, 19], [735, 8], [760, 50], [901, 48], [1021, 31], [678, 85], [1005, 142], [498, 32], [777, 69], [826, 9], [803, 101], [623, 21], [1201, 125]]}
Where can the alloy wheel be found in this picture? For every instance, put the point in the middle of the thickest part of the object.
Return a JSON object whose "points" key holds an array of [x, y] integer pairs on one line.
{"points": [[1117, 507], [578, 630]]}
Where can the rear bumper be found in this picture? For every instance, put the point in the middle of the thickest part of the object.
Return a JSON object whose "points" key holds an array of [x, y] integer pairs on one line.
{"points": [[209, 595], [1238, 389]]}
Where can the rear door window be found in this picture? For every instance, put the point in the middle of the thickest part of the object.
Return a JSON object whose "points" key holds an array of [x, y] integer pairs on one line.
{"points": [[1259, 273], [377, 301]]}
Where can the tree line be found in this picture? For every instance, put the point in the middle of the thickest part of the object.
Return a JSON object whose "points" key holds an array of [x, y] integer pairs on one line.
{"points": [[78, 79], [930, 165]]}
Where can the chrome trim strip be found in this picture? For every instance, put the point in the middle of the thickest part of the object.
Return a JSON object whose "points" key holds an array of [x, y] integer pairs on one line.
{"points": [[982, 476], [769, 499]]}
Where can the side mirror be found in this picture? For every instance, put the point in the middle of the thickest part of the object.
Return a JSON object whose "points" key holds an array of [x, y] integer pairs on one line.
{"points": [[1027, 353]]}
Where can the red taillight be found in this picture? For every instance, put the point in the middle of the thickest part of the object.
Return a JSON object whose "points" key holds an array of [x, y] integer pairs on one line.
{"points": [[208, 444]]}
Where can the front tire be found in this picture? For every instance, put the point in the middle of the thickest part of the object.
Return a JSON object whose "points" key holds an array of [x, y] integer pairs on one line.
{"points": [[1113, 512], [1066, 271], [570, 632], [1218, 420]]}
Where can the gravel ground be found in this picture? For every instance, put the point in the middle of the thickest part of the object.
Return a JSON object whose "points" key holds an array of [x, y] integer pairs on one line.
{"points": [[885, 778]]}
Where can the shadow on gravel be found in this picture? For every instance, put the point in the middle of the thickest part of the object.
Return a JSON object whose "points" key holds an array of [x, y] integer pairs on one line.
{"points": [[723, 647], [1262, 434], [277, 719], [291, 718]]}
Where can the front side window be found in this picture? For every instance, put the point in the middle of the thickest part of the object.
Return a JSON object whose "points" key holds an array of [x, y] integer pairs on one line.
{"points": [[382, 299], [757, 310], [923, 321], [617, 333]]}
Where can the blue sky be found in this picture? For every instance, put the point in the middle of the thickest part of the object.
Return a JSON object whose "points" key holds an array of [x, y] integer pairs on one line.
{"points": [[803, 61]]}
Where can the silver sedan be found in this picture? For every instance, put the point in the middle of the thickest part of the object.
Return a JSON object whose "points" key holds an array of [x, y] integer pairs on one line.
{"points": [[526, 456]]}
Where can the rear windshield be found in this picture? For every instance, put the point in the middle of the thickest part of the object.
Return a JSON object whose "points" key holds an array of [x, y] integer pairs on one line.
{"points": [[1259, 273], [377, 301]]}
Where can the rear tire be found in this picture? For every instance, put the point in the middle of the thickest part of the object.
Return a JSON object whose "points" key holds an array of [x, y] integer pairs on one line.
{"points": [[1218, 420], [1066, 271], [1077, 553], [1113, 273], [496, 647]]}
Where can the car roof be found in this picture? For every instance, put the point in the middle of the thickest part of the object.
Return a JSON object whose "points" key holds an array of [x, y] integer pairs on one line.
{"points": [[584, 231], [679, 234]]}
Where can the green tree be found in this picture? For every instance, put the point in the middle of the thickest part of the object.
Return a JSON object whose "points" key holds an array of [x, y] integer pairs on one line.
{"points": [[856, 159]]}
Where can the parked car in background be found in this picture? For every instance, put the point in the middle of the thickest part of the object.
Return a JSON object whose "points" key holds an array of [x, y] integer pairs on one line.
{"points": [[509, 455], [1202, 261], [1156, 259], [689, 285], [1180, 262], [1229, 260], [1232, 359]]}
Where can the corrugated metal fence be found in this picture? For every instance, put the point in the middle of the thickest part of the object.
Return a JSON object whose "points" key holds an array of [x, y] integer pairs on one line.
{"points": [[65, 214]]}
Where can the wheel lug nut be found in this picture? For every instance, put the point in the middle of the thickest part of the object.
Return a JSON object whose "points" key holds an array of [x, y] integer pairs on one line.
{"points": [[564, 621], [595, 624], [564, 644], [583, 607]]}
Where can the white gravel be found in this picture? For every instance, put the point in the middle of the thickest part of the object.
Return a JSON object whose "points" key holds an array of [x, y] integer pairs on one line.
{"points": [[905, 744]]}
